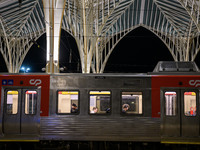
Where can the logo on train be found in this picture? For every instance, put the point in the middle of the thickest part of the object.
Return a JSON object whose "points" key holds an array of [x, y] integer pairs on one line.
{"points": [[195, 83], [35, 82]]}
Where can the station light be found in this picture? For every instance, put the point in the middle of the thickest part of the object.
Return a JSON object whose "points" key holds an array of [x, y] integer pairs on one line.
{"points": [[24, 69]]}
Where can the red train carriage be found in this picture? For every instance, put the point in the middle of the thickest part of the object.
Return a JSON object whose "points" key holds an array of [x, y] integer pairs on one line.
{"points": [[162, 106]]}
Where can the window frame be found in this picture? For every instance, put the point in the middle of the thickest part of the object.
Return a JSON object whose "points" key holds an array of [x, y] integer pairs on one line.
{"points": [[131, 114], [74, 90], [101, 114]]}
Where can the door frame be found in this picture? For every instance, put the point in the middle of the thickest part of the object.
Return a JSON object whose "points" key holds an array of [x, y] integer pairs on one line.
{"points": [[180, 111], [21, 104]]}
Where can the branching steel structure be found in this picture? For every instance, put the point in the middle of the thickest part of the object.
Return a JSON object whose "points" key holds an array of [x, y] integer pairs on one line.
{"points": [[98, 25]]}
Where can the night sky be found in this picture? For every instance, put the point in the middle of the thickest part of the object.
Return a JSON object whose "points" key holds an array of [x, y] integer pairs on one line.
{"points": [[138, 52]]}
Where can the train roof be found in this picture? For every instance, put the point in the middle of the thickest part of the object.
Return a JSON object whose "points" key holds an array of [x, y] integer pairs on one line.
{"points": [[171, 66], [104, 75], [97, 75], [175, 68]]}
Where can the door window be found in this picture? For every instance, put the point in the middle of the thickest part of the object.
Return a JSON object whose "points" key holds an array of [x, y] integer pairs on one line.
{"points": [[190, 103], [31, 102], [170, 103], [12, 102]]}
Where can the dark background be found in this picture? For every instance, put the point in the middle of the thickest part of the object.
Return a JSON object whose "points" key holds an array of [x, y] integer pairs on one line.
{"points": [[138, 52]]}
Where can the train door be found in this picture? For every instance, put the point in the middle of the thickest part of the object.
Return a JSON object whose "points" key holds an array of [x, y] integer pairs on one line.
{"points": [[21, 111], [179, 113]]}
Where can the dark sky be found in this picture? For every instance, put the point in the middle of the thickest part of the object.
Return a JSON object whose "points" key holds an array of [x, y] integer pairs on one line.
{"points": [[138, 52], [36, 57]]}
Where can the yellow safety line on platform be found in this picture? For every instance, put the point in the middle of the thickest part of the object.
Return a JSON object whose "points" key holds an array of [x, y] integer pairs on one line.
{"points": [[19, 140], [170, 142]]}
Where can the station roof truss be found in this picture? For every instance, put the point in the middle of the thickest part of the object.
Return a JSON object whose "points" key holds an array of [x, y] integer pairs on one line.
{"points": [[106, 22]]}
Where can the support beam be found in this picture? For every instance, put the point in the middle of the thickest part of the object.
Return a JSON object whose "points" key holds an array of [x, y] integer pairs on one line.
{"points": [[84, 70], [53, 10]]}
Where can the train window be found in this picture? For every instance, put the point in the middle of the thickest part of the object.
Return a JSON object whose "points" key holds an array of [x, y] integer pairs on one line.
{"points": [[170, 103], [99, 102], [132, 102], [31, 102], [12, 102], [190, 103], [67, 102]]}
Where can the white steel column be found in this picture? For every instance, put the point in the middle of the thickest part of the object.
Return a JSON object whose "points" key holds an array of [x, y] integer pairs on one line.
{"points": [[84, 70], [142, 11], [53, 10]]}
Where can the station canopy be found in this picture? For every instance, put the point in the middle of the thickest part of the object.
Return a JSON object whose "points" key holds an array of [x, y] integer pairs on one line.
{"points": [[25, 17]]}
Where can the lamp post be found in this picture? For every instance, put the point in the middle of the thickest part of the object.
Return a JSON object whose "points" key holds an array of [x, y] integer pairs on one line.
{"points": [[25, 69]]}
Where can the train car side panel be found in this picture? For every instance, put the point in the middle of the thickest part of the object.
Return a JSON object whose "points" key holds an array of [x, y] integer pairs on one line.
{"points": [[114, 126]]}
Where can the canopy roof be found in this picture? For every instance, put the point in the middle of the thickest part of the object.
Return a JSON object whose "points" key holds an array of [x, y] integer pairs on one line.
{"points": [[25, 17]]}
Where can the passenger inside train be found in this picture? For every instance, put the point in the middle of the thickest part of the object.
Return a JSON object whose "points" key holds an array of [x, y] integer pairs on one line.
{"points": [[125, 108], [94, 110], [74, 108]]}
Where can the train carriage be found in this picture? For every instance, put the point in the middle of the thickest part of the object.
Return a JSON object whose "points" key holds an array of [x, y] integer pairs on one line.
{"points": [[162, 106]]}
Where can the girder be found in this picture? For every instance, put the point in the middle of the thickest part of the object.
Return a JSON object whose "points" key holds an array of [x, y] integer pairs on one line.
{"points": [[99, 25], [192, 7], [174, 29], [21, 25]]}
